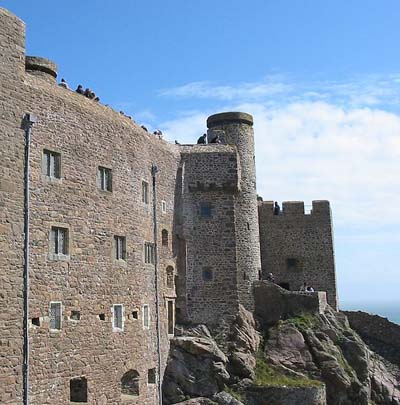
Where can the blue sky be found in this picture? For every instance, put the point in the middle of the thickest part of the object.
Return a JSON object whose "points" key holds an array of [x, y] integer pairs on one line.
{"points": [[322, 79]]}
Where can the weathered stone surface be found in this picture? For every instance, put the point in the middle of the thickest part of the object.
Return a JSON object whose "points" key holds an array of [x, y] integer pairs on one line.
{"points": [[196, 367], [331, 352], [307, 238], [223, 398]]}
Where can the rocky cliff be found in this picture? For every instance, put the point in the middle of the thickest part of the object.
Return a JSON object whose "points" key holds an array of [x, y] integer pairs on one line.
{"points": [[308, 358]]}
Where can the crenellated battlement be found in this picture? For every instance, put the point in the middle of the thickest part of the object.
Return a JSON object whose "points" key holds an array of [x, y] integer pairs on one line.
{"points": [[295, 208]]}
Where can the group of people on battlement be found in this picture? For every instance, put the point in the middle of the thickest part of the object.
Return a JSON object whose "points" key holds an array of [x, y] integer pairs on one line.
{"points": [[203, 140], [304, 288]]}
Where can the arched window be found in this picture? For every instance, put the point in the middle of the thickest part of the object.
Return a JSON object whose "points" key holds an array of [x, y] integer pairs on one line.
{"points": [[170, 277], [164, 237], [130, 383]]}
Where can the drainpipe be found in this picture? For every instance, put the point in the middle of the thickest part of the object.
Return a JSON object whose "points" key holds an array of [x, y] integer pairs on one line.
{"points": [[154, 171], [27, 123]]}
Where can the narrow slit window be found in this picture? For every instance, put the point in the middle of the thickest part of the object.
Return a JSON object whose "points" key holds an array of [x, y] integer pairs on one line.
{"points": [[118, 320], [146, 316], [145, 192], [120, 247], [164, 237], [55, 315]]}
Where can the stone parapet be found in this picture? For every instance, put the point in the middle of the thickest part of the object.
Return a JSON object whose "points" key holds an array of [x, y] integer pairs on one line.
{"points": [[273, 303]]}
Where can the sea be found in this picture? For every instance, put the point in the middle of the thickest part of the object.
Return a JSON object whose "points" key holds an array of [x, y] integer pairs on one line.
{"points": [[387, 310]]}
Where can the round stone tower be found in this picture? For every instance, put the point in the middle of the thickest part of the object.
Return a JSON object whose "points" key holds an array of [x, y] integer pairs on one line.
{"points": [[236, 128]]}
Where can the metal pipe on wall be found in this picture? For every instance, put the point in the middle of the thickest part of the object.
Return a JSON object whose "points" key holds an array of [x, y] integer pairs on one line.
{"points": [[27, 123]]}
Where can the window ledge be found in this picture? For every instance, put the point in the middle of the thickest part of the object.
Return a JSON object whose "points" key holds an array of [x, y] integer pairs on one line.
{"points": [[49, 179], [117, 330], [105, 192], [58, 257], [120, 262]]}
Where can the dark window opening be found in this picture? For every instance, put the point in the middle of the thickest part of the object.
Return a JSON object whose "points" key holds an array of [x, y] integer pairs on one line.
{"points": [[170, 277], [102, 317], [130, 383], [36, 321], [164, 237], [286, 286], [78, 389], [75, 315], [135, 314], [151, 376], [292, 263], [170, 310], [206, 210], [145, 192], [208, 275], [248, 226]]}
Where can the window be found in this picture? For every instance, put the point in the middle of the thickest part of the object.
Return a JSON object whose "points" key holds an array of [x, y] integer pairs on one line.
{"points": [[104, 179], [170, 277], [146, 316], [151, 376], [170, 313], [293, 263], [36, 321], [130, 383], [75, 316], [208, 275], [118, 320], [205, 210], [149, 253], [55, 315], [145, 192], [134, 314], [59, 240], [163, 207], [164, 237], [102, 317], [78, 389], [51, 164], [120, 247]]}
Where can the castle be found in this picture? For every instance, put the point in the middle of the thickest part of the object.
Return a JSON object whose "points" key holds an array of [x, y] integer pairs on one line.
{"points": [[107, 234]]}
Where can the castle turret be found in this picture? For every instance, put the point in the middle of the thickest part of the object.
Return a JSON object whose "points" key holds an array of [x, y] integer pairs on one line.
{"points": [[236, 128]]}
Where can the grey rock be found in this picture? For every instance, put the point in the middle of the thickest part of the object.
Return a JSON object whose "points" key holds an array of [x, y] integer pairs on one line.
{"points": [[223, 398]]}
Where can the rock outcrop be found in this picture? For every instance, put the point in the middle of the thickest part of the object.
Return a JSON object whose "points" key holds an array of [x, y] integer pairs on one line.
{"points": [[312, 358]]}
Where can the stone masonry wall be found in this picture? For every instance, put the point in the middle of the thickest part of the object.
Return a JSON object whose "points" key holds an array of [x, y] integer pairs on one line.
{"points": [[210, 179], [88, 280], [237, 129], [306, 238], [12, 66]]}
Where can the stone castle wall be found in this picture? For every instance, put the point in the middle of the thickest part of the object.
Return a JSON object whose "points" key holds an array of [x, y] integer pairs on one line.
{"points": [[88, 280], [210, 180], [12, 67], [298, 247]]}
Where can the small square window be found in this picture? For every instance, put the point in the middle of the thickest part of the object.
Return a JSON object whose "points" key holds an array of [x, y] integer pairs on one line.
{"points": [[102, 317], [51, 164], [36, 321], [146, 316], [145, 192], [206, 210], [135, 315], [55, 315], [163, 207], [149, 253], [59, 240], [292, 263], [78, 390], [104, 178], [151, 376], [120, 247], [208, 275], [75, 316], [118, 320]]}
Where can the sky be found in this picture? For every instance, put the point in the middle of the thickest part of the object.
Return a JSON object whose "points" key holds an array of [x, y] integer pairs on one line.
{"points": [[321, 78]]}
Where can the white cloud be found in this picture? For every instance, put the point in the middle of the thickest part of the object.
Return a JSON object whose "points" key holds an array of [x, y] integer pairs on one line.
{"points": [[317, 150]]}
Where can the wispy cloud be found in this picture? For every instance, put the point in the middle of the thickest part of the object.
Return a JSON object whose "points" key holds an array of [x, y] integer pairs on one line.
{"points": [[367, 90], [268, 87]]}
